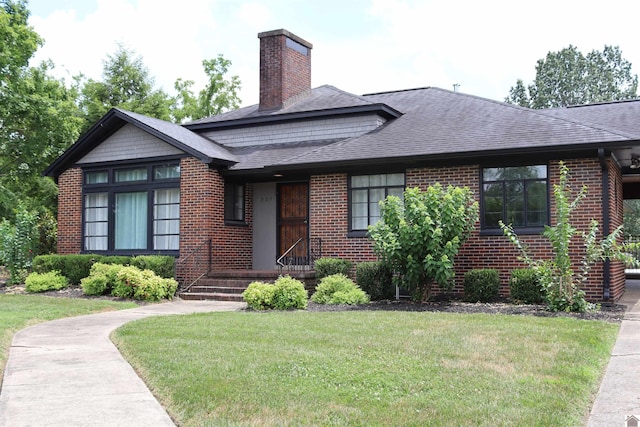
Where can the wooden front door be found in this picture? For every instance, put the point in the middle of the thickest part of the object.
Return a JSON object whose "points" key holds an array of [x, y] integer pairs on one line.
{"points": [[293, 222]]}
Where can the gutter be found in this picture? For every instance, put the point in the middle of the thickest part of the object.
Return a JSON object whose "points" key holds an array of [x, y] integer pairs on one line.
{"points": [[606, 276]]}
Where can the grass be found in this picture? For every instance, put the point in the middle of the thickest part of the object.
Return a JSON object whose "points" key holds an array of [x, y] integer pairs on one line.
{"points": [[20, 311], [370, 368]]}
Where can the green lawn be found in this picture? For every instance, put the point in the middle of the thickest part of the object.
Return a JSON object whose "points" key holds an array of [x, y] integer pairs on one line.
{"points": [[20, 311], [370, 368]]}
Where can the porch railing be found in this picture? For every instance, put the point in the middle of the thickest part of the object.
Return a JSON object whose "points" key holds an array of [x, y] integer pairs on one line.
{"points": [[194, 266], [301, 255]]}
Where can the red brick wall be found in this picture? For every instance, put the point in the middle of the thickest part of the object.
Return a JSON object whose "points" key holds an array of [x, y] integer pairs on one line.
{"points": [[70, 212], [202, 218], [329, 216]]}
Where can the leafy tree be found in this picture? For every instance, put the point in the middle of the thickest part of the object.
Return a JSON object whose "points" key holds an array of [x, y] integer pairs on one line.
{"points": [[126, 84], [218, 96], [568, 77], [38, 116], [632, 218], [418, 237], [561, 284]]}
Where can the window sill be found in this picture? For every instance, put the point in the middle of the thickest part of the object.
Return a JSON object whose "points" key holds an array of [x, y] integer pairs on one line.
{"points": [[235, 223], [357, 234], [519, 231]]}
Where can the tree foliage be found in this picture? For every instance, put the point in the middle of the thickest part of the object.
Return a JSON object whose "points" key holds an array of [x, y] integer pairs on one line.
{"points": [[219, 95], [38, 116], [419, 237], [127, 84], [568, 77]]}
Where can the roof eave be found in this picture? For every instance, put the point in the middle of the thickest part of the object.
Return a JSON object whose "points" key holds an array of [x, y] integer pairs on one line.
{"points": [[383, 109]]}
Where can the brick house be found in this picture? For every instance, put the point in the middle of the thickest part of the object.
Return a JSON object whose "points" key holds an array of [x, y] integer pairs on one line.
{"points": [[236, 191]]}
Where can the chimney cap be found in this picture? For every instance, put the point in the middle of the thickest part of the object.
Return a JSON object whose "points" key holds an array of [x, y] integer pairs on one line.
{"points": [[283, 32]]}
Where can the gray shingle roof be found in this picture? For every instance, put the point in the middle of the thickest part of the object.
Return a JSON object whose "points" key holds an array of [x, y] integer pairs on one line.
{"points": [[441, 123], [620, 116]]}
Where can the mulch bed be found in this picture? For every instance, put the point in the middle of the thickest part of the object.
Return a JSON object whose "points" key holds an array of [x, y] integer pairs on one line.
{"points": [[608, 312]]}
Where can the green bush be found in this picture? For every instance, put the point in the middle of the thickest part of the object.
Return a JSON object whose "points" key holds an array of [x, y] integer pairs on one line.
{"points": [[116, 259], [42, 282], [74, 267], [525, 286], [131, 282], [162, 266], [339, 289], [289, 294], [329, 266], [95, 284], [481, 285], [259, 295], [375, 278], [102, 278]]}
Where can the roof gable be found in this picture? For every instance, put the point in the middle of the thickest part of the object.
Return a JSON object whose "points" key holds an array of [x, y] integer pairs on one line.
{"points": [[176, 136]]}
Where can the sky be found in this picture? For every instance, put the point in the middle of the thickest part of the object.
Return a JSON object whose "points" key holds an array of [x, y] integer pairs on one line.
{"points": [[360, 46]]}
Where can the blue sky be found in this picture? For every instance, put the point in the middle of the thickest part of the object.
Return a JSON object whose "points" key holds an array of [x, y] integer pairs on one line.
{"points": [[360, 46]]}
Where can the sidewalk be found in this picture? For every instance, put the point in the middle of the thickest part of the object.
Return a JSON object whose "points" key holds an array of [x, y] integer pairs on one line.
{"points": [[67, 372], [619, 394]]}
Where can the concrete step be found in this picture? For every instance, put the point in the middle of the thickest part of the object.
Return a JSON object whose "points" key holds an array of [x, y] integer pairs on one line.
{"points": [[204, 288], [200, 296]]}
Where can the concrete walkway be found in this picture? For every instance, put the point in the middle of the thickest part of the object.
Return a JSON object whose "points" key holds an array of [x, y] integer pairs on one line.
{"points": [[619, 393], [67, 372]]}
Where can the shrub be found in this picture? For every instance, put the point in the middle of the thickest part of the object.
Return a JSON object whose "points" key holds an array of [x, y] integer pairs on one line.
{"points": [[375, 279], [153, 287], [42, 282], [18, 242], [102, 278], [162, 266], [95, 284], [339, 289], [525, 286], [481, 285], [329, 266], [131, 282], [289, 294], [259, 295], [74, 267], [116, 259]]}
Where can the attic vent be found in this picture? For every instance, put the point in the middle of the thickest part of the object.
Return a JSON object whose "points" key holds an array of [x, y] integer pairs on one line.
{"points": [[292, 44]]}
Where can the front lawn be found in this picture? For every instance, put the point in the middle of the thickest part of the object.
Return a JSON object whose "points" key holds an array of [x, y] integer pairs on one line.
{"points": [[20, 311], [370, 368]]}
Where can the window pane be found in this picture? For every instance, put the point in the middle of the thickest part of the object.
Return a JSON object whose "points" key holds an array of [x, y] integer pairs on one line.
{"points": [[492, 174], [96, 225], [166, 219], [377, 180], [493, 205], [96, 178], [514, 200], [536, 203], [359, 181], [131, 220], [395, 179], [127, 175], [398, 192], [166, 172]]}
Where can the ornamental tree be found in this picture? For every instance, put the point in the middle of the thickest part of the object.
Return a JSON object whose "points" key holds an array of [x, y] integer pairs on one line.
{"points": [[418, 237]]}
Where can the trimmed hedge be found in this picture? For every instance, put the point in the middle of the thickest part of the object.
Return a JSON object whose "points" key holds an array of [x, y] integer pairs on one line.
{"points": [[77, 267], [375, 278], [525, 286], [329, 266], [481, 285]]}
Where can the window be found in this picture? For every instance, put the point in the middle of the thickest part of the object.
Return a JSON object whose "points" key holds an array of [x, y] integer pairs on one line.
{"points": [[515, 195], [234, 202], [366, 193], [132, 209]]}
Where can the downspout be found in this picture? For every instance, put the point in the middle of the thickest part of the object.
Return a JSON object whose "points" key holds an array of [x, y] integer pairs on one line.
{"points": [[606, 277]]}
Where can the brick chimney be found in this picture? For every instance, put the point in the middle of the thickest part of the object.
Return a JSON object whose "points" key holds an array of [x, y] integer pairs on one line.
{"points": [[285, 69]]}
